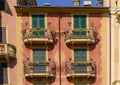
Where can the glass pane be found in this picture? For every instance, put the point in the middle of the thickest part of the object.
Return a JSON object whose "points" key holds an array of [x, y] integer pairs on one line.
{"points": [[34, 21], [39, 56], [80, 56], [79, 24], [2, 34]]}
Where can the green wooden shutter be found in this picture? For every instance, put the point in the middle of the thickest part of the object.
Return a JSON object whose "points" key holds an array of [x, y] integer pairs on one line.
{"points": [[34, 21], [83, 24], [38, 21], [39, 56], [76, 22], [80, 24], [80, 56], [83, 21], [3, 73], [42, 21]]}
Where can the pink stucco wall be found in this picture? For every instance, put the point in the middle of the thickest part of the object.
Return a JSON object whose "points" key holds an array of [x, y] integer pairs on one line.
{"points": [[8, 20], [60, 49], [65, 53], [26, 51], [96, 52], [116, 54]]}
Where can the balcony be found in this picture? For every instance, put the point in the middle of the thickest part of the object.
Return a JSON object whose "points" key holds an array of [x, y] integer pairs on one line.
{"points": [[7, 51], [78, 37], [38, 36], [116, 82], [40, 72], [81, 72]]}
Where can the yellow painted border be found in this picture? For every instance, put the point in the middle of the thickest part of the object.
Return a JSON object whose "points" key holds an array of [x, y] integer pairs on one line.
{"points": [[112, 46], [104, 48], [19, 55]]}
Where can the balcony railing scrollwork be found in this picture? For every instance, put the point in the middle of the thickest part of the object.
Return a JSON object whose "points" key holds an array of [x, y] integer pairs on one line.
{"points": [[40, 72], [7, 51], [81, 72], [81, 37], [38, 36]]}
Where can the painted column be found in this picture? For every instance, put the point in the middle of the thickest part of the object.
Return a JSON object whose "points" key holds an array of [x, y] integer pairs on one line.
{"points": [[119, 48], [112, 46]]}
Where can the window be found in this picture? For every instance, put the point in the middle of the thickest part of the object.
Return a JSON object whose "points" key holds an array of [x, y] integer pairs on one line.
{"points": [[2, 5], [39, 56], [38, 21], [2, 34], [3, 73], [80, 24], [80, 56]]}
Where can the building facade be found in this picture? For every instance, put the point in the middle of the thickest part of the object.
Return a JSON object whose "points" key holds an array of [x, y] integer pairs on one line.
{"points": [[115, 48], [8, 50], [64, 45], [8, 67], [59, 45]]}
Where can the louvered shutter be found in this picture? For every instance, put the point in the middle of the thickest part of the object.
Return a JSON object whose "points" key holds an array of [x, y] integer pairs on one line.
{"points": [[80, 24], [34, 21], [80, 56], [34, 24], [41, 23], [2, 34], [39, 56], [38, 21], [76, 24], [83, 24]]}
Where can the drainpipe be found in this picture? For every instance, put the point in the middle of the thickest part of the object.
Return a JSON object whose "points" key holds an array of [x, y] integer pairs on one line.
{"points": [[59, 44]]}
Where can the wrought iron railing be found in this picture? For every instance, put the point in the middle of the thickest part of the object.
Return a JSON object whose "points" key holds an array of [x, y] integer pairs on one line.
{"points": [[81, 34], [7, 49], [38, 33], [39, 67], [80, 67]]}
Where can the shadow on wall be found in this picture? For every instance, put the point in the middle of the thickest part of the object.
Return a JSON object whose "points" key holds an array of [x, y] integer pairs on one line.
{"points": [[13, 62], [0, 19], [7, 9]]}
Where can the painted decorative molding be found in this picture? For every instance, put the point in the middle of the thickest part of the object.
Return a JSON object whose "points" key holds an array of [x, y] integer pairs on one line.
{"points": [[116, 82]]}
